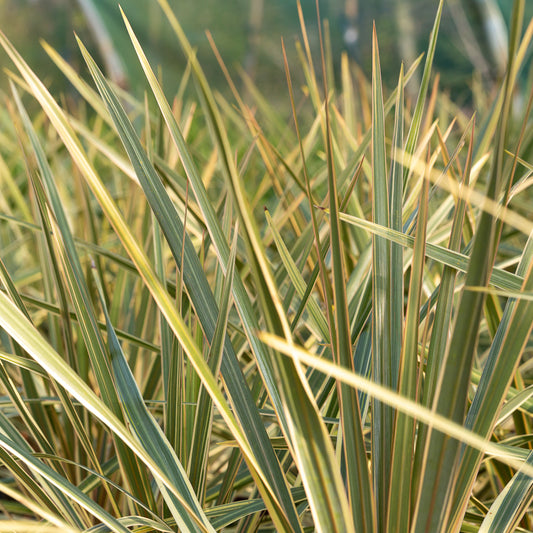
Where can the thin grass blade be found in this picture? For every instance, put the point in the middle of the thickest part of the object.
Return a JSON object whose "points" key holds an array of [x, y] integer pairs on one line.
{"points": [[414, 129]]}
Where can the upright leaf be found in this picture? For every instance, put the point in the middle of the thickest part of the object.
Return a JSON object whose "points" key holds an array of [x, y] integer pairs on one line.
{"points": [[382, 365]]}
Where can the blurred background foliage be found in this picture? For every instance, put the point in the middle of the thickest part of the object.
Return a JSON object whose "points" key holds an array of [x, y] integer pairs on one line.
{"points": [[472, 45]]}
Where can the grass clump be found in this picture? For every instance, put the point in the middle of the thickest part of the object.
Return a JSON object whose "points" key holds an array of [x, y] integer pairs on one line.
{"points": [[352, 357]]}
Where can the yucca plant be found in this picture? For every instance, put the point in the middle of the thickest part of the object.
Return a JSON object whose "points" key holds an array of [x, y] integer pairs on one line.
{"points": [[213, 320]]}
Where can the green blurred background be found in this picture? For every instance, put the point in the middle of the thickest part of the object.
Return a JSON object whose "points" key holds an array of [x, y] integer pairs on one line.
{"points": [[472, 44]]}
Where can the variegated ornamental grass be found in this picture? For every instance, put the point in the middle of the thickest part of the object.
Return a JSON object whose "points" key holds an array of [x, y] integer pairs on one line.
{"points": [[215, 320]]}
